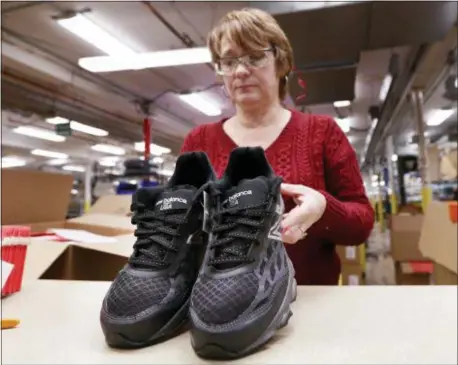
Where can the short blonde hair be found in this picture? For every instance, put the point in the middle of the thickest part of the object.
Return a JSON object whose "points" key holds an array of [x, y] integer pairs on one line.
{"points": [[251, 29]]}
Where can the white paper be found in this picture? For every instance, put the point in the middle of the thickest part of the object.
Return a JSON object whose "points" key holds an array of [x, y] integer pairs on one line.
{"points": [[43, 238], [350, 253], [353, 280], [7, 268], [78, 235]]}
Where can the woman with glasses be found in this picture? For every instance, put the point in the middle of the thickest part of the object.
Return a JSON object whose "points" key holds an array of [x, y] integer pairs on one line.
{"points": [[323, 190]]}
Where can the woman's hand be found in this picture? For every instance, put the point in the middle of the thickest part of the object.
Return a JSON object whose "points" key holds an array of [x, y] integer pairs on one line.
{"points": [[311, 205]]}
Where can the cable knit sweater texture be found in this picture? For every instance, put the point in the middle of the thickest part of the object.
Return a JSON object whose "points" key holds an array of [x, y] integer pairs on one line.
{"points": [[312, 151]]}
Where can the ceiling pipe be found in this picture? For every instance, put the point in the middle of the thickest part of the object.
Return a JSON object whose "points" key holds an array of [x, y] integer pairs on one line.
{"points": [[285, 7], [22, 6], [131, 131], [21, 41], [79, 75], [395, 100], [183, 37]]}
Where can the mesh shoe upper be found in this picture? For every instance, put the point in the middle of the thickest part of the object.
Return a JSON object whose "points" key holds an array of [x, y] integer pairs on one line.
{"points": [[131, 294], [160, 216], [242, 220]]}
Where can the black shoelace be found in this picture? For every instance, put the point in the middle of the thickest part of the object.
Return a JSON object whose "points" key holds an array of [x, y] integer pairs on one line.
{"points": [[155, 235], [236, 230]]}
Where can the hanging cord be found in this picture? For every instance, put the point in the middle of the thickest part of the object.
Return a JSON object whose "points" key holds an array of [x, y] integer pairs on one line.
{"points": [[300, 81], [147, 137]]}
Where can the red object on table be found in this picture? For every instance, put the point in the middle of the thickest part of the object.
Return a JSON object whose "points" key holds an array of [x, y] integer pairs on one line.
{"points": [[453, 211], [421, 267], [15, 240]]}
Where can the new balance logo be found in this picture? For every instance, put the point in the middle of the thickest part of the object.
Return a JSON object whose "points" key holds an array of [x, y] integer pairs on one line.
{"points": [[234, 199], [275, 231], [167, 202]]}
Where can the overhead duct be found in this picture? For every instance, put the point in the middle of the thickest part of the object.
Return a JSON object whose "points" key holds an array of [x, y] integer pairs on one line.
{"points": [[347, 30], [285, 7], [394, 100], [17, 97], [36, 57]]}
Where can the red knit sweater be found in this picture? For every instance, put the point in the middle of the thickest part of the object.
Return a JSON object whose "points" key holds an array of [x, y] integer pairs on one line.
{"points": [[312, 151]]}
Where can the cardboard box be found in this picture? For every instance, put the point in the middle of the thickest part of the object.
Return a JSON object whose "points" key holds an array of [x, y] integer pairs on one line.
{"points": [[40, 200], [76, 261], [444, 276], [439, 241], [352, 274], [350, 254], [112, 204], [405, 236], [80, 263], [407, 274]]}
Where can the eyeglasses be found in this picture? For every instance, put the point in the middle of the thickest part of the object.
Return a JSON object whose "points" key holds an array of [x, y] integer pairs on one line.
{"points": [[226, 66]]}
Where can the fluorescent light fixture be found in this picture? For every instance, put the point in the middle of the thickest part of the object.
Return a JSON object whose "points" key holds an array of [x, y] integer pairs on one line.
{"points": [[139, 61], [83, 128], [79, 127], [8, 162], [165, 172], [394, 158], [386, 83], [106, 148], [201, 104], [158, 160], [57, 162], [50, 154], [90, 32], [342, 103], [39, 133], [75, 168], [57, 120], [154, 148], [437, 117], [456, 82], [344, 124], [109, 161]]}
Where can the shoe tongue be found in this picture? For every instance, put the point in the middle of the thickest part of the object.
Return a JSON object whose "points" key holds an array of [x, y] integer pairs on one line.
{"points": [[173, 199], [248, 192], [169, 201]]}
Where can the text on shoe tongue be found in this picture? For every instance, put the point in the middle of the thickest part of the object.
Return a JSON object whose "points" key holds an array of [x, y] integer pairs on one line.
{"points": [[167, 203], [234, 199]]}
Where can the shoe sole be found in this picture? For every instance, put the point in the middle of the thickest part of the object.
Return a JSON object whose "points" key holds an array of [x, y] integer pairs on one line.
{"points": [[217, 351], [116, 335]]}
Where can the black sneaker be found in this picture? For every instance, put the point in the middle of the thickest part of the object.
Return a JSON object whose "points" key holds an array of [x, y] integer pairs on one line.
{"points": [[149, 299], [246, 283]]}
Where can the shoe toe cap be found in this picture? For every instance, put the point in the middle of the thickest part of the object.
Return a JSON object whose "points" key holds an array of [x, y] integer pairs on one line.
{"points": [[131, 294]]}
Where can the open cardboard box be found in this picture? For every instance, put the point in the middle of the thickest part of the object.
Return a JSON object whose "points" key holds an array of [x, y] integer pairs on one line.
{"points": [[81, 263], [438, 242], [40, 200], [112, 204], [405, 236], [76, 261]]}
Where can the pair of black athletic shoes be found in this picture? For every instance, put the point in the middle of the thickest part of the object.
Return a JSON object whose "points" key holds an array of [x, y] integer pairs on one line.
{"points": [[209, 253]]}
